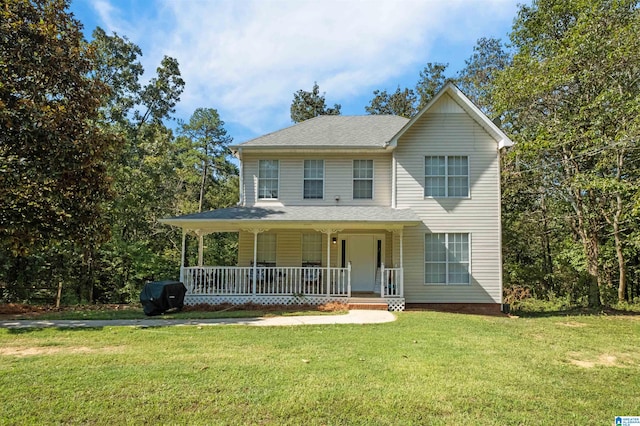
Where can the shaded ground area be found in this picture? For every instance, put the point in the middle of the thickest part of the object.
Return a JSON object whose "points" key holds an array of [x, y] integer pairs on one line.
{"points": [[12, 311], [20, 310]]}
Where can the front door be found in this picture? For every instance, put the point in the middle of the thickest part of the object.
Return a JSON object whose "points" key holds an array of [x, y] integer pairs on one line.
{"points": [[361, 253]]}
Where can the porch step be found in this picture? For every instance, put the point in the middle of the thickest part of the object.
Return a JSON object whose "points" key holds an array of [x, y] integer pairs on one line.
{"points": [[368, 303]]}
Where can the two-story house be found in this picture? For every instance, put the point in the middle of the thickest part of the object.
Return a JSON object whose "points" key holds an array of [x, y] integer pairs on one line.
{"points": [[343, 208]]}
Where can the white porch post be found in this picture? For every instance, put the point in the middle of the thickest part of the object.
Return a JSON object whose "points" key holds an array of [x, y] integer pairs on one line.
{"points": [[328, 262], [328, 231], [254, 271], [255, 260], [200, 247], [401, 265], [382, 280], [184, 247]]}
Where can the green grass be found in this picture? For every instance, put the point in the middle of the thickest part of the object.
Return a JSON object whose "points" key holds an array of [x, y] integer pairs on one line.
{"points": [[425, 368]]}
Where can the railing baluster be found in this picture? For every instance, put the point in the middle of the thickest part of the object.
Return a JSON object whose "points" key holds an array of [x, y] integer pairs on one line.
{"points": [[311, 281]]}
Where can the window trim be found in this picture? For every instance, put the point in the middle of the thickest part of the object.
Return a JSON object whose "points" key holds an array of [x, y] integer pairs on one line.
{"points": [[304, 262], [258, 197], [446, 262], [260, 244], [304, 179], [446, 177], [372, 179]]}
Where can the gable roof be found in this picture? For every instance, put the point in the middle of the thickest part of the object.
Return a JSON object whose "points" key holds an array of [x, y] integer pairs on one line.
{"points": [[333, 131], [474, 112]]}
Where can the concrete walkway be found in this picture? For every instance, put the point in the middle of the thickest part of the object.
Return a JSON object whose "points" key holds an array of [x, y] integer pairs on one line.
{"points": [[353, 317]]}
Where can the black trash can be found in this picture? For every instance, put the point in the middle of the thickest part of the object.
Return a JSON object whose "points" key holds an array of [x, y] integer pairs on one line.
{"points": [[160, 296]]}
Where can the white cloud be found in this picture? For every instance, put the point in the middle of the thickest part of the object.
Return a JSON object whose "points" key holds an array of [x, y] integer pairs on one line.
{"points": [[247, 58]]}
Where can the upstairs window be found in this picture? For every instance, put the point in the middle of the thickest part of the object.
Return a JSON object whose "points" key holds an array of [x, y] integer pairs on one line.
{"points": [[268, 171], [362, 179], [446, 259], [446, 176], [313, 180]]}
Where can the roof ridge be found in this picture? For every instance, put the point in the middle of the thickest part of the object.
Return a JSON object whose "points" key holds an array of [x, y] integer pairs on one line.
{"points": [[361, 131]]}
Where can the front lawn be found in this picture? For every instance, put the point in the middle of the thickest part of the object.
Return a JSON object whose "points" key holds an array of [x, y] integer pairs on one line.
{"points": [[425, 368]]}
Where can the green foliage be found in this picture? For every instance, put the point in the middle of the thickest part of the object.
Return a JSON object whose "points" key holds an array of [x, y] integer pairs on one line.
{"points": [[88, 165], [477, 79], [570, 99], [306, 105], [401, 102], [209, 141], [53, 179], [405, 102], [431, 80]]}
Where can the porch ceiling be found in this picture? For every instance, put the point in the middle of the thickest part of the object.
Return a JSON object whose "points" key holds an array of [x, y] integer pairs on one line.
{"points": [[233, 219]]}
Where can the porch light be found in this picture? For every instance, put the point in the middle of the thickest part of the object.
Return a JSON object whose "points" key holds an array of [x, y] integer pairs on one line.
{"points": [[334, 240]]}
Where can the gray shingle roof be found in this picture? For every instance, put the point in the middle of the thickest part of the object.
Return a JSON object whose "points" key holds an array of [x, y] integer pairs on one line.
{"points": [[367, 131], [306, 214]]}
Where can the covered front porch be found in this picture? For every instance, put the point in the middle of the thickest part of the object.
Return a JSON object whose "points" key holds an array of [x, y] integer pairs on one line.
{"points": [[285, 257]]}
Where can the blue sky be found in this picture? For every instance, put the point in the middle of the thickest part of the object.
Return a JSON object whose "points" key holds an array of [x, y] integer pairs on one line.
{"points": [[246, 58]]}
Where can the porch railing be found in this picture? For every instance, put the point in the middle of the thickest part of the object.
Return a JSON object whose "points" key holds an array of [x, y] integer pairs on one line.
{"points": [[239, 280], [391, 282]]}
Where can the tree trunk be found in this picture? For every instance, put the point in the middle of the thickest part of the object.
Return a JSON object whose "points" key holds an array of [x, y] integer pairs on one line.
{"points": [[202, 184], [205, 168], [59, 295], [546, 245], [592, 252], [622, 271], [589, 238], [622, 274]]}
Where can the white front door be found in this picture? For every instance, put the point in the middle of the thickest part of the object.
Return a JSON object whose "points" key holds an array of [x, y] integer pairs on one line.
{"points": [[361, 253]]}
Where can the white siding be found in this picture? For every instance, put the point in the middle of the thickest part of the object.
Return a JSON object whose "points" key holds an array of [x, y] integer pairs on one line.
{"points": [[451, 133], [338, 178], [289, 247], [446, 129]]}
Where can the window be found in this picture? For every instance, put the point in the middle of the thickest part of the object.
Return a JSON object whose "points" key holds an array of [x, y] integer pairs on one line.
{"points": [[446, 259], [312, 249], [446, 176], [268, 179], [313, 179], [266, 249], [362, 179]]}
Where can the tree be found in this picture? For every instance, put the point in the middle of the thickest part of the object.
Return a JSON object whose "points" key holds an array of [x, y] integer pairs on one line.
{"points": [[145, 180], [209, 139], [432, 79], [53, 155], [405, 102], [306, 105], [118, 67], [401, 102], [477, 78], [570, 99]]}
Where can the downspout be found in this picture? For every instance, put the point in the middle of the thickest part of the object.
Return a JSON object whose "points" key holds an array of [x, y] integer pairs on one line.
{"points": [[241, 200], [394, 177], [502, 307]]}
